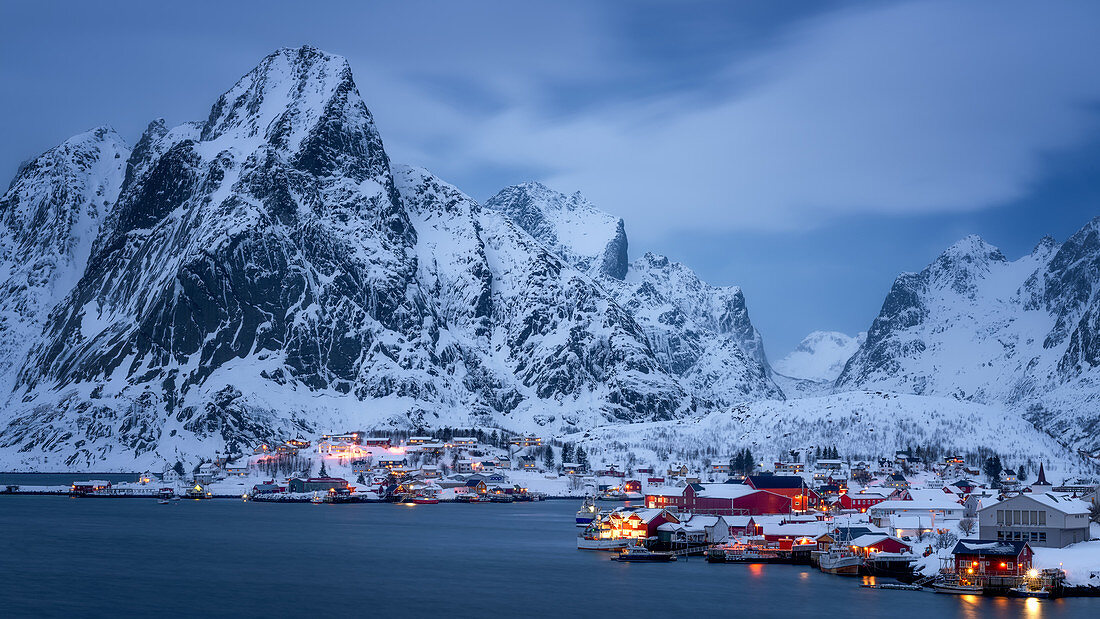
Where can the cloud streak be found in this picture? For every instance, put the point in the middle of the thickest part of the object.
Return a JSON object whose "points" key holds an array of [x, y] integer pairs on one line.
{"points": [[912, 108]]}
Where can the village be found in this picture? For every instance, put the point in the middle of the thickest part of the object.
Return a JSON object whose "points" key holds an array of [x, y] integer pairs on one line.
{"points": [[915, 524], [948, 525]]}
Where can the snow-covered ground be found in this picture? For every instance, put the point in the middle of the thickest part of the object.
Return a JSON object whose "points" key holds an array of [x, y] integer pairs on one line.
{"points": [[862, 425]]}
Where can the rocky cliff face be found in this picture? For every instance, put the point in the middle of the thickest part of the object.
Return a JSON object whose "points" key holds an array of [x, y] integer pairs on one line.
{"points": [[49, 218], [265, 272], [699, 333], [976, 326]]}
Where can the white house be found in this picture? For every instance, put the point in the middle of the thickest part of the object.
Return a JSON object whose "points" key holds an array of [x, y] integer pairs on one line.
{"points": [[1045, 519]]}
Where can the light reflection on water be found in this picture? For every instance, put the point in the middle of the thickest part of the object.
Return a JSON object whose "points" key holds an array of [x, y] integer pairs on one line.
{"points": [[248, 558]]}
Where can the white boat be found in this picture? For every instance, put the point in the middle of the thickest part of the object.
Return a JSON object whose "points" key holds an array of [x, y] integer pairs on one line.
{"points": [[593, 543], [841, 561]]}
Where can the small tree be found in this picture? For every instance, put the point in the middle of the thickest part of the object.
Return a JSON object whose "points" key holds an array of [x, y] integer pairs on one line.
{"points": [[548, 458], [567, 452], [582, 457], [946, 540], [360, 480], [178, 468], [1021, 474], [966, 525], [324, 471], [1094, 511]]}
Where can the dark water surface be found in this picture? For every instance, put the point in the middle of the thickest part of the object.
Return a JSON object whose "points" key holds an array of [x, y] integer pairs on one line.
{"points": [[136, 558]]}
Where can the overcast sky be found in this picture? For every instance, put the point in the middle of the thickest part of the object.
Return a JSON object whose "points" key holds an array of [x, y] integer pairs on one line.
{"points": [[807, 152]]}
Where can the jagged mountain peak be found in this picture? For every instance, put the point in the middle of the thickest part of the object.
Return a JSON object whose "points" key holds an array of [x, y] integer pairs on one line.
{"points": [[568, 225]]}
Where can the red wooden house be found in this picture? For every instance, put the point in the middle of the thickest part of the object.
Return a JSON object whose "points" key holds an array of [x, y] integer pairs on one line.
{"points": [[978, 560], [638, 523], [802, 496], [720, 500], [877, 542], [860, 501]]}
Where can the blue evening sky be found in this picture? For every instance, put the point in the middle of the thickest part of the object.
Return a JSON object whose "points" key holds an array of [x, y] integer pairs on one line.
{"points": [[807, 151]]}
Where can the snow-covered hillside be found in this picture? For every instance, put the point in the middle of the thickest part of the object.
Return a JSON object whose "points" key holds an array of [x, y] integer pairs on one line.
{"points": [[860, 424], [1017, 334], [820, 356]]}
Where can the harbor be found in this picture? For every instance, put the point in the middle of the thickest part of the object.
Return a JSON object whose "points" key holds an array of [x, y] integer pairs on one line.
{"points": [[224, 557]]}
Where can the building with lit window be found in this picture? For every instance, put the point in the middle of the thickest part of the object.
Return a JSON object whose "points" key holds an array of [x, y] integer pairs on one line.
{"points": [[1042, 519]]}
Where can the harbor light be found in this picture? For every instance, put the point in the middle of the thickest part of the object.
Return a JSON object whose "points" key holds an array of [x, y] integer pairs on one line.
{"points": [[1032, 573]]}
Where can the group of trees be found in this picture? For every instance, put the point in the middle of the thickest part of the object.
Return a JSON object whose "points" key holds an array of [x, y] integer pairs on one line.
{"points": [[743, 462], [829, 453], [573, 453], [992, 468]]}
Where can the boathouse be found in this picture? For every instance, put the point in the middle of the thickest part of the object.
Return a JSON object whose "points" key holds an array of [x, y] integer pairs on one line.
{"points": [[992, 562]]}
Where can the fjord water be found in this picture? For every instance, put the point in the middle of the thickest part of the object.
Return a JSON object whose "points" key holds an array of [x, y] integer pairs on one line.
{"points": [[99, 557]]}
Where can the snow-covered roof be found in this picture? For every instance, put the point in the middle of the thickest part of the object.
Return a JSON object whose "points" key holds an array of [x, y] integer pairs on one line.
{"points": [[945, 503], [804, 529], [1064, 504], [724, 491]]}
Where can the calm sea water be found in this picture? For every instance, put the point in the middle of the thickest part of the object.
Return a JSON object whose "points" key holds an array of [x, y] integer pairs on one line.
{"points": [[100, 557]]}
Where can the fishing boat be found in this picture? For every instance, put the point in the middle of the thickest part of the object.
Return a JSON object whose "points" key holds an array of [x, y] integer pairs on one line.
{"points": [[501, 498], [587, 513], [956, 588], [316, 499], [1023, 591], [840, 560], [421, 499], [164, 501], [743, 551], [640, 554]]}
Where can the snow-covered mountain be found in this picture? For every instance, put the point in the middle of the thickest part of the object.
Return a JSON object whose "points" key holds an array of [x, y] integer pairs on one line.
{"points": [[265, 272], [820, 356], [975, 326], [699, 333]]}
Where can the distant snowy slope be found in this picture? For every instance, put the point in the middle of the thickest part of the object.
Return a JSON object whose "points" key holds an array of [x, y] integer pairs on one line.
{"points": [[820, 356], [860, 424]]}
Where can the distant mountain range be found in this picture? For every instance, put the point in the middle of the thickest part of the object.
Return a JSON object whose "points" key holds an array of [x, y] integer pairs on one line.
{"points": [[268, 272]]}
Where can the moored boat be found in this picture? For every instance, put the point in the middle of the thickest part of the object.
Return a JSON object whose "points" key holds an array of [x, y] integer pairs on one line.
{"points": [[587, 513], [956, 588], [840, 561], [640, 554], [595, 543], [1023, 591]]}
